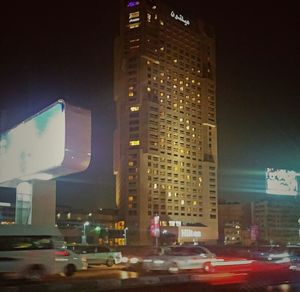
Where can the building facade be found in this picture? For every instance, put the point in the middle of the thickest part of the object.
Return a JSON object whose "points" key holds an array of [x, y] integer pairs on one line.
{"points": [[277, 220], [235, 222], [165, 155]]}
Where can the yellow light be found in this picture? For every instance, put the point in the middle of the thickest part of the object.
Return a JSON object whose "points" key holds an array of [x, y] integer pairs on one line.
{"points": [[134, 142], [134, 14], [182, 202], [133, 25], [148, 89], [130, 198], [135, 108]]}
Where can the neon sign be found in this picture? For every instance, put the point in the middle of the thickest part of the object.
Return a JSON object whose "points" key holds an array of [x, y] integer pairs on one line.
{"points": [[180, 18]]}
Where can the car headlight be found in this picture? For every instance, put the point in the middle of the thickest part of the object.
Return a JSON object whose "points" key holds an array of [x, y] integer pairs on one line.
{"points": [[134, 260], [124, 259], [159, 262], [147, 261]]}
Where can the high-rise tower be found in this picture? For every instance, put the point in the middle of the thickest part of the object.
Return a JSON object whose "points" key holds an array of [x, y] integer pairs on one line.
{"points": [[165, 156]]}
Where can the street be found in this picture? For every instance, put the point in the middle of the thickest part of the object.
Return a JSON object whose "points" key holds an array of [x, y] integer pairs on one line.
{"points": [[102, 278]]}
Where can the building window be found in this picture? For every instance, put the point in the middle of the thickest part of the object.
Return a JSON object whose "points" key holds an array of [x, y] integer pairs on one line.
{"points": [[134, 142], [134, 108]]}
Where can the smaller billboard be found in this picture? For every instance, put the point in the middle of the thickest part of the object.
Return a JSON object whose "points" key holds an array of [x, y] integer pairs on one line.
{"points": [[281, 182]]}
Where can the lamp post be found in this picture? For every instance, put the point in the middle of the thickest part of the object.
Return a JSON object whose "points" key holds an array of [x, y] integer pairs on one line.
{"points": [[87, 223], [125, 234]]}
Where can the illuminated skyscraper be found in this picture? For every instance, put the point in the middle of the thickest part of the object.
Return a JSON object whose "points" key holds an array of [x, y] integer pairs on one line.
{"points": [[165, 156]]}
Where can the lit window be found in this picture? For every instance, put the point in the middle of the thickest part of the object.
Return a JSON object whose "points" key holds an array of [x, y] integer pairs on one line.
{"points": [[155, 186], [194, 203], [133, 25], [130, 198], [130, 163], [182, 202], [134, 40], [134, 142], [148, 89], [134, 108], [134, 20], [175, 60], [149, 17], [134, 14], [161, 22]]}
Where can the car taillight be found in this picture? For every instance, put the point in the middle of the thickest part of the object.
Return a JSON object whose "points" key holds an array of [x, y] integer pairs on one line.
{"points": [[63, 253]]}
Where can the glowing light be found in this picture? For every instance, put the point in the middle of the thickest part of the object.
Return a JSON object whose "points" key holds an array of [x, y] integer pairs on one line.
{"points": [[133, 3], [134, 142]]}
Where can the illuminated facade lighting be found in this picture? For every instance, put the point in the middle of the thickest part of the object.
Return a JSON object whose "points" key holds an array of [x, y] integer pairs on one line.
{"points": [[170, 116]]}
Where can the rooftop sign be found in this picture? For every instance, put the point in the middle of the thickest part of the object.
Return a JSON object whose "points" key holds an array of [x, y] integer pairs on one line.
{"points": [[179, 17]]}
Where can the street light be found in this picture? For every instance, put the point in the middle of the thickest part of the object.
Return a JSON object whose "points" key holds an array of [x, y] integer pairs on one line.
{"points": [[125, 234], [87, 223]]}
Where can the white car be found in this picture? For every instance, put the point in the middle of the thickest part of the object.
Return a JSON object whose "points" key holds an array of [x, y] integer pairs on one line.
{"points": [[68, 262], [97, 255], [33, 252], [176, 258]]}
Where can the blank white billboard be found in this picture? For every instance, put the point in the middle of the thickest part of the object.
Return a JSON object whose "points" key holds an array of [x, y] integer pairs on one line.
{"points": [[52, 143], [281, 182]]}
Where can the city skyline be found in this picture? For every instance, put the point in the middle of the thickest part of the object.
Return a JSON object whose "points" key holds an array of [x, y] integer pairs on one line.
{"points": [[53, 54]]}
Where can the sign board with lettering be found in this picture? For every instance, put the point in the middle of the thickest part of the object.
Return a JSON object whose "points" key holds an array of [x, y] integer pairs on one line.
{"points": [[190, 234]]}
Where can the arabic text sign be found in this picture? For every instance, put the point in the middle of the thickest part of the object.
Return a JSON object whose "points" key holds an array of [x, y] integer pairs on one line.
{"points": [[179, 17]]}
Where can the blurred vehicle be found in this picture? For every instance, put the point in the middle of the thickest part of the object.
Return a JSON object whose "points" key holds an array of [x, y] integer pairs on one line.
{"points": [[69, 262], [268, 253], [29, 251], [96, 254], [176, 258], [242, 265], [294, 255]]}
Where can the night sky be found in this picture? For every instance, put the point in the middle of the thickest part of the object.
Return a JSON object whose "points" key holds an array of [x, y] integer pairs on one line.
{"points": [[52, 50]]}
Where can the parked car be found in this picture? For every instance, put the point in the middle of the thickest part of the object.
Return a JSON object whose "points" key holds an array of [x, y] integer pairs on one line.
{"points": [[96, 254], [176, 258]]}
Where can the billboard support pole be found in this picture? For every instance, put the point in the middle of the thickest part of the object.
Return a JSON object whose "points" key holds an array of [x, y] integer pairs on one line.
{"points": [[36, 203]]}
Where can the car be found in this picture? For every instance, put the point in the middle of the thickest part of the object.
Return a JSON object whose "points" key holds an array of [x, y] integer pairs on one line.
{"points": [[176, 258], [68, 262], [96, 254], [30, 252], [243, 265], [268, 253], [294, 255]]}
